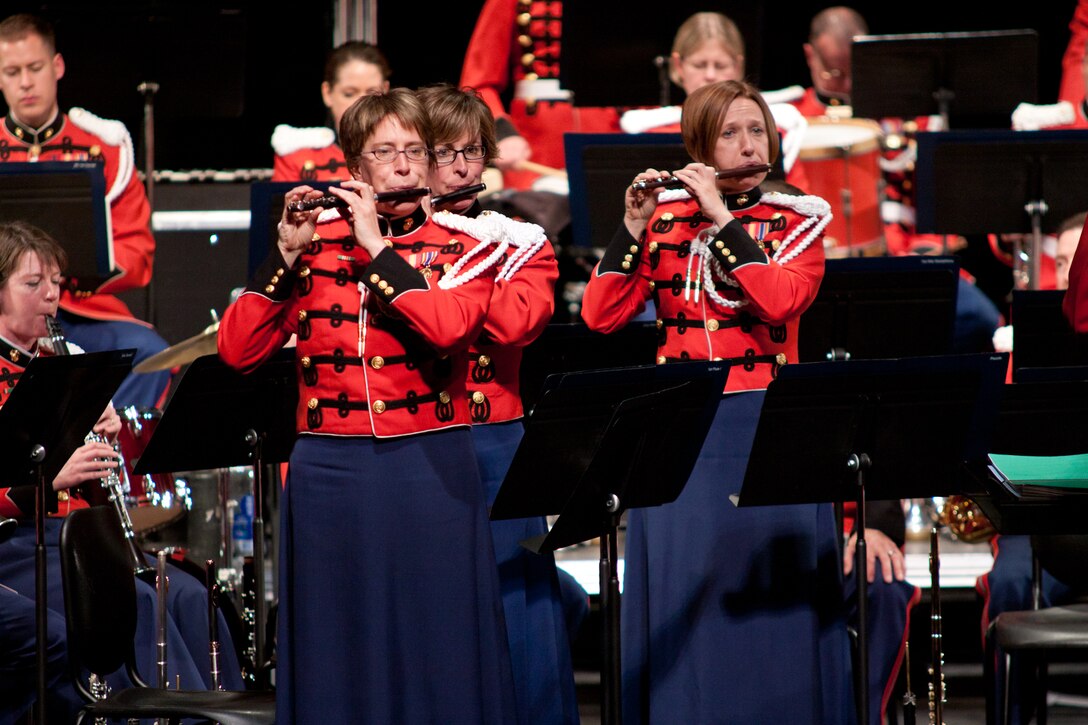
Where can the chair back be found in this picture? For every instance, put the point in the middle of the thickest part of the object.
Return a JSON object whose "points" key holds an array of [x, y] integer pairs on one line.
{"points": [[99, 590], [1064, 556]]}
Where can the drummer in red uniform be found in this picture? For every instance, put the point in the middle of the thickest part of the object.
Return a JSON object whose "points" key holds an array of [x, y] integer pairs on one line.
{"points": [[312, 154], [36, 130], [383, 506]]}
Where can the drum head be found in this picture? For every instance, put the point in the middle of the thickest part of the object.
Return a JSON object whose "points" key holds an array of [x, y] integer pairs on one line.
{"points": [[827, 138]]}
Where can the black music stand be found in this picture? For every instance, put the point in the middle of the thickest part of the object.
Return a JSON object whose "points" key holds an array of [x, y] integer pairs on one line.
{"points": [[1045, 345], [1037, 419], [597, 444], [52, 408], [68, 201], [876, 420], [972, 79], [1040, 175], [869, 307], [218, 417], [266, 207]]}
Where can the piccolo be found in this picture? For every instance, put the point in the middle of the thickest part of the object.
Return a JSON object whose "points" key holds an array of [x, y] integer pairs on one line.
{"points": [[457, 195], [671, 182], [331, 201]]}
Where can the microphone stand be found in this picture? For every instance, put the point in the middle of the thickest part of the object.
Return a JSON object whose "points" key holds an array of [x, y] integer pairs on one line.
{"points": [[148, 89], [37, 457]]}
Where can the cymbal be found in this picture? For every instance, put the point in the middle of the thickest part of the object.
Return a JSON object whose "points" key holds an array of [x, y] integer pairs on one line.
{"points": [[183, 353]]}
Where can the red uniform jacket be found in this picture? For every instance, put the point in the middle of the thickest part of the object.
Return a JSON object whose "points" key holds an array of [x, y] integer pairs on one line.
{"points": [[307, 154], [522, 303], [377, 338], [1075, 303], [733, 294], [519, 40], [81, 136]]}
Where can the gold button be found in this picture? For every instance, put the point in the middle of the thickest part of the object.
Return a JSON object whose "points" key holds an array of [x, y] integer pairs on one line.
{"points": [[483, 361], [660, 324], [279, 271], [275, 279], [312, 403], [309, 165], [629, 257], [732, 259], [444, 398], [775, 245], [304, 272], [625, 265], [712, 325], [742, 199], [653, 285], [316, 237], [667, 216], [719, 244], [306, 362], [528, 59], [389, 242], [96, 150], [374, 279], [388, 291], [378, 406], [531, 77], [717, 359], [653, 247], [269, 289], [478, 398], [447, 267], [525, 41], [524, 19], [62, 495], [780, 358], [660, 359], [377, 362], [382, 284], [302, 315], [634, 249]]}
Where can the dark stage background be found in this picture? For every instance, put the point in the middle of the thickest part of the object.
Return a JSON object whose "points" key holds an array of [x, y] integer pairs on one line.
{"points": [[230, 71]]}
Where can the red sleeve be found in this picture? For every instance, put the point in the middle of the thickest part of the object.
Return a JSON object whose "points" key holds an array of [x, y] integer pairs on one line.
{"points": [[449, 319], [777, 292], [488, 58], [614, 295], [262, 319], [1075, 303], [285, 169], [16, 502], [1072, 87], [133, 245], [521, 307]]}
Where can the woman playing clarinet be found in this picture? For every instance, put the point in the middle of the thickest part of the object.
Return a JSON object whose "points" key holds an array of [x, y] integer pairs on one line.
{"points": [[729, 615]]}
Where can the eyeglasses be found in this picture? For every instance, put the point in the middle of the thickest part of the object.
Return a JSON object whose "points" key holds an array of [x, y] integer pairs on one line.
{"points": [[386, 154], [445, 155]]}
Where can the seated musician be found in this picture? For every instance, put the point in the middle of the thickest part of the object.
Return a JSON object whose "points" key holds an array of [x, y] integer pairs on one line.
{"points": [[312, 154], [31, 263], [721, 607], [389, 597]]}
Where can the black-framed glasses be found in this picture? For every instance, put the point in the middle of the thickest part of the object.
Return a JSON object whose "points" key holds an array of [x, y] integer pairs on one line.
{"points": [[387, 154], [444, 155]]}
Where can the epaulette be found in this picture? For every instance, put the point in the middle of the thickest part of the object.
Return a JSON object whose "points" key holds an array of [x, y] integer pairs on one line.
{"points": [[793, 126], [289, 139], [113, 133], [818, 213], [640, 120], [806, 205], [673, 195], [789, 94], [492, 230], [1033, 117]]}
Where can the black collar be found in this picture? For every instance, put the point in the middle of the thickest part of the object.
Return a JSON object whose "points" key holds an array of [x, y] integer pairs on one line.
{"points": [[14, 354], [31, 136], [402, 225], [473, 211], [743, 200], [829, 100]]}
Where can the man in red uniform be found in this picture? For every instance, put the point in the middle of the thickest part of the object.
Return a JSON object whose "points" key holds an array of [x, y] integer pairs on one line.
{"points": [[517, 42], [36, 130]]}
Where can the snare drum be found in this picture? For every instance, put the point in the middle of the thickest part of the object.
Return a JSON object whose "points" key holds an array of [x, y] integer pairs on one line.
{"points": [[154, 500], [841, 161]]}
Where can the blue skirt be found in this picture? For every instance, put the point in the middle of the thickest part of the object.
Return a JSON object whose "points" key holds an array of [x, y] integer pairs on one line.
{"points": [[733, 615], [389, 599], [535, 622]]}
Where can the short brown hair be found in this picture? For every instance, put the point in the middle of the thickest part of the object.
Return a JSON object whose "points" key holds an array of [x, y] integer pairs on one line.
{"points": [[702, 27], [704, 111], [1076, 221], [359, 121], [18, 237], [454, 112], [17, 27], [344, 53]]}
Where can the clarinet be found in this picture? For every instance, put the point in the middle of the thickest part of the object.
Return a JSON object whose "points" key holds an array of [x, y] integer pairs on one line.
{"points": [[937, 697], [213, 622], [112, 481]]}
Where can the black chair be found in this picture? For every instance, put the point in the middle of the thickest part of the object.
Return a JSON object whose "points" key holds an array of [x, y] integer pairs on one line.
{"points": [[1037, 635], [100, 608]]}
